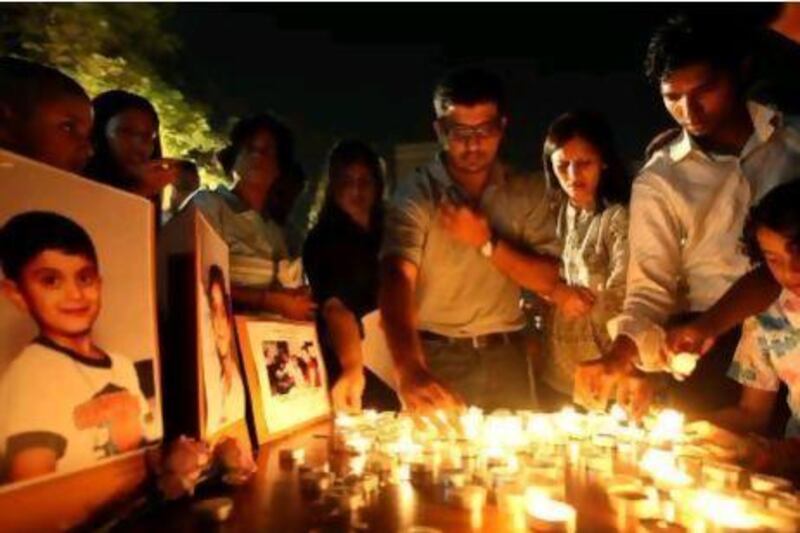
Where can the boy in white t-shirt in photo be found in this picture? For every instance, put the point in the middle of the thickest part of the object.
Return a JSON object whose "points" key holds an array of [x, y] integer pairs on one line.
{"points": [[64, 402]]}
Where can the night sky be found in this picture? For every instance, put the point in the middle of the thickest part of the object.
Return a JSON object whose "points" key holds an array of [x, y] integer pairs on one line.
{"points": [[367, 70]]}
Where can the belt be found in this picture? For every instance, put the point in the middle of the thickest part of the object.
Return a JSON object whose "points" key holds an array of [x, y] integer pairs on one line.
{"points": [[477, 342]]}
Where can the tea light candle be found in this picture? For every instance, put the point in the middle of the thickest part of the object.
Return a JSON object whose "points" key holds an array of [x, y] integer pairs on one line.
{"points": [[763, 483], [655, 525], [545, 514], [721, 476], [631, 502], [472, 497]]}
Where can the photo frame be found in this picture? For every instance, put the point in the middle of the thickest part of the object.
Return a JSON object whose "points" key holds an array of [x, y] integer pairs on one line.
{"points": [[286, 374], [80, 395], [207, 397]]}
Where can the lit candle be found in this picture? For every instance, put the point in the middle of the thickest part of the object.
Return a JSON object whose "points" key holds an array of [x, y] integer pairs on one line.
{"points": [[762, 483], [546, 514], [470, 497]]}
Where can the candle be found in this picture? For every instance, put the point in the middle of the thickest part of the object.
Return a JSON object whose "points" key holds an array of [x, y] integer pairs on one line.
{"points": [[546, 514], [721, 476], [668, 427], [470, 497], [762, 483]]}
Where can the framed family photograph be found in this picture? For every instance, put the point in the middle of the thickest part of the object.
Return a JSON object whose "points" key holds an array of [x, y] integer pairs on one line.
{"points": [[205, 376], [285, 374], [79, 353]]}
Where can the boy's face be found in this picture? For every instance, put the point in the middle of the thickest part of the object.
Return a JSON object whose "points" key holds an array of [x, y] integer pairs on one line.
{"points": [[783, 259], [60, 291], [58, 133]]}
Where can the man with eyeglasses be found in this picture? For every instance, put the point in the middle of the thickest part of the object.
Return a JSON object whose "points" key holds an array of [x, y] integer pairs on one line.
{"points": [[463, 234]]}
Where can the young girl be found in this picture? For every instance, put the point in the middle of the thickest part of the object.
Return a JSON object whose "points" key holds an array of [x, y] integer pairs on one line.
{"points": [[769, 350], [591, 188]]}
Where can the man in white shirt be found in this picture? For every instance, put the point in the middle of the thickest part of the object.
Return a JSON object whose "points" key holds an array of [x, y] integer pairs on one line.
{"points": [[688, 209]]}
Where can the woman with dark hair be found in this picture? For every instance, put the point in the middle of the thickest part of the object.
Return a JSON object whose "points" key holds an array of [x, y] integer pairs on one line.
{"points": [[225, 399], [341, 259], [127, 147], [263, 278], [591, 187]]}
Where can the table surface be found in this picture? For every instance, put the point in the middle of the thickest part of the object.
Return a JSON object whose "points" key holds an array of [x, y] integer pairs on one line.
{"points": [[272, 501]]}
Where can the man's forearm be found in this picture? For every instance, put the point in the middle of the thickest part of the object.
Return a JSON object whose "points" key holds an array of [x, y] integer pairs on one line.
{"points": [[751, 294], [345, 334], [398, 313], [538, 273]]}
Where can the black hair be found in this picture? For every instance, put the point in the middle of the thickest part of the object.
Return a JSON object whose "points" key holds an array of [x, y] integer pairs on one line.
{"points": [[291, 179], [469, 86], [28, 234], [24, 85], [685, 40], [217, 277], [348, 152], [779, 212], [615, 180], [107, 105]]}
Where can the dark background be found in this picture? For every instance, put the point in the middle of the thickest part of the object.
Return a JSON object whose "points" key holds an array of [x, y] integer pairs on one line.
{"points": [[367, 70]]}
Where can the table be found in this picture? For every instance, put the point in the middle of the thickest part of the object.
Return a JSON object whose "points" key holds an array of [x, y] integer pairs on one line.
{"points": [[272, 501]]}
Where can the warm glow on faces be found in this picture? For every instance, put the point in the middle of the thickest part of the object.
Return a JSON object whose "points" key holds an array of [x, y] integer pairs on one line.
{"points": [[60, 291], [782, 258], [700, 98], [355, 191], [57, 133], [471, 136], [131, 136], [257, 161], [578, 166], [220, 321]]}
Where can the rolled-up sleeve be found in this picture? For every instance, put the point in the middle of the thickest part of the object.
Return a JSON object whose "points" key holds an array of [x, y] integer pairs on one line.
{"points": [[407, 220], [751, 364], [538, 230], [653, 274]]}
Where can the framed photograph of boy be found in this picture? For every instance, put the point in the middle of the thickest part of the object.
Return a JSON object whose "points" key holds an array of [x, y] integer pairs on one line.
{"points": [[79, 372], [207, 396], [285, 374]]}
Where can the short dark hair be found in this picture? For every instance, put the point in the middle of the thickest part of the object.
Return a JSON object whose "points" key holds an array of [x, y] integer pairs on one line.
{"points": [[28, 234], [777, 211], [469, 86], [24, 85], [615, 180], [685, 40]]}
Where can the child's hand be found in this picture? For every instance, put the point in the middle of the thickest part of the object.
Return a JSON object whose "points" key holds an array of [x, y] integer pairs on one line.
{"points": [[573, 302]]}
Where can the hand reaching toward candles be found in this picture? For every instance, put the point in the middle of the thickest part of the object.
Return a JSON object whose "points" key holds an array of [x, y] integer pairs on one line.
{"points": [[693, 337], [593, 385], [635, 391], [422, 392], [347, 392]]}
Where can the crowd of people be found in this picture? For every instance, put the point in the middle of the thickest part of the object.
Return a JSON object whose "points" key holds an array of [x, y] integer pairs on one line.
{"points": [[634, 266]]}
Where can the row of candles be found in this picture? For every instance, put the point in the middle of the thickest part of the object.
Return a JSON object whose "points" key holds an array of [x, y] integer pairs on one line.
{"points": [[654, 477]]}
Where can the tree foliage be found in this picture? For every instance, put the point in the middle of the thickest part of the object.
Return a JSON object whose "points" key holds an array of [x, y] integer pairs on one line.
{"points": [[111, 46]]}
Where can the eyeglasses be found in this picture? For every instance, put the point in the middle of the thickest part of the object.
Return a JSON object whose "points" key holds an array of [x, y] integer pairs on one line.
{"points": [[460, 132]]}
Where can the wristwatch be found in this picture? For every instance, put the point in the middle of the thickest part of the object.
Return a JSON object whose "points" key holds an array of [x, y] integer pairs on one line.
{"points": [[487, 250]]}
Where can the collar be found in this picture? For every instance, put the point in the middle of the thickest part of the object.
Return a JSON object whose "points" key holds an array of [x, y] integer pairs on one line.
{"points": [[104, 362], [437, 169], [765, 121]]}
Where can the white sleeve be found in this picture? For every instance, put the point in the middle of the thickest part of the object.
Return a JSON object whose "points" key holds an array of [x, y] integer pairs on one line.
{"points": [[654, 271]]}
